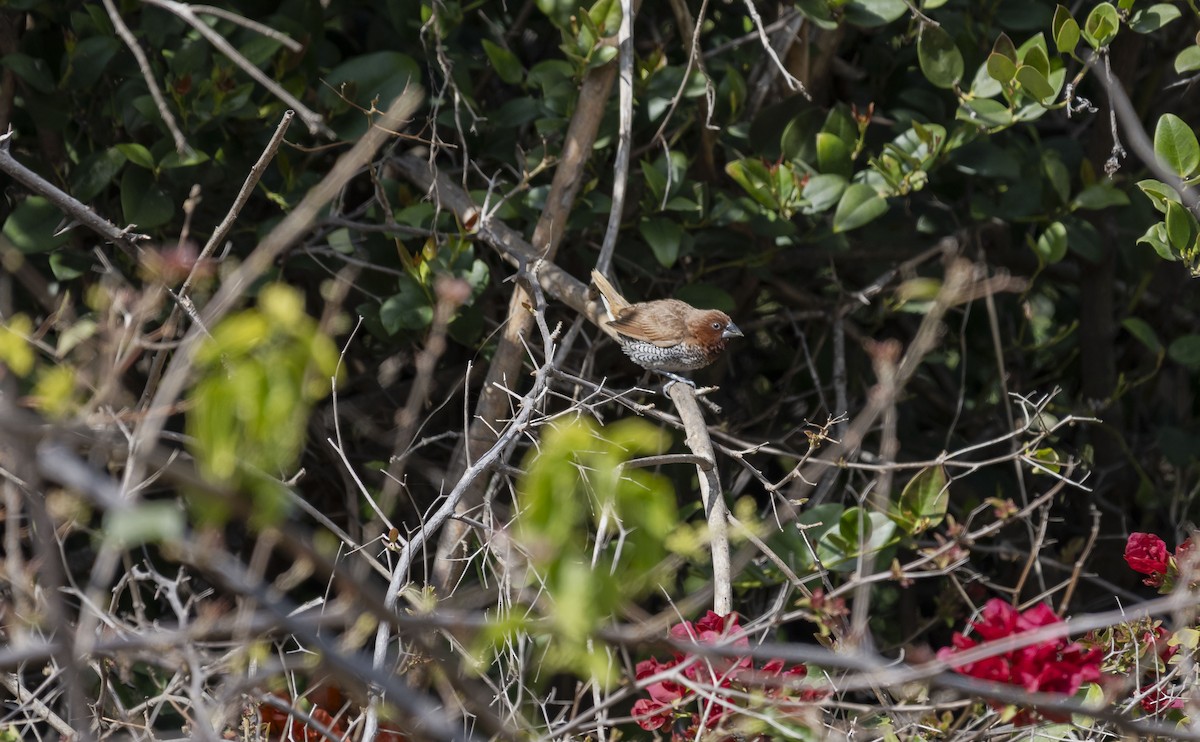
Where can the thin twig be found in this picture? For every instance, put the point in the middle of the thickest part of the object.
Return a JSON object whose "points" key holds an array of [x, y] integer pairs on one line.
{"points": [[314, 121], [181, 145]]}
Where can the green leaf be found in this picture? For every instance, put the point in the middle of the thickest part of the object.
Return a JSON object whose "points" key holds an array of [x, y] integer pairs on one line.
{"points": [[31, 226], [1186, 351], [664, 237], [173, 160], [137, 154], [1001, 68], [923, 502], [1035, 84], [1066, 31], [148, 522], [941, 61], [1035, 56], [840, 547], [840, 121], [96, 173], [143, 202], [833, 155], [799, 137], [1100, 196], [818, 12], [1181, 226], [407, 309], [1176, 146], [873, 13], [1156, 237], [601, 56], [506, 64], [88, 61], [1004, 47], [67, 265], [752, 175], [1188, 60], [1048, 461], [1145, 334], [859, 204], [984, 112], [1101, 26], [1057, 174], [823, 191], [32, 70], [1052, 244], [606, 14], [1159, 193], [854, 526], [1149, 20]]}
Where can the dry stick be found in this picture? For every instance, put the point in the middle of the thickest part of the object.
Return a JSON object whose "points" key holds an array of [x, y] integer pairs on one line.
{"points": [[181, 145], [277, 240], [12, 683], [1139, 142], [514, 428], [624, 137], [254, 26], [1084, 553], [697, 439], [506, 363], [955, 288], [449, 299], [252, 178], [69, 205], [509, 243], [314, 121], [218, 236]]}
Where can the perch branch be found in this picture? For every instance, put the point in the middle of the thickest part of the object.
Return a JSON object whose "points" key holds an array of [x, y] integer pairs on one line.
{"points": [[69, 205], [698, 441]]}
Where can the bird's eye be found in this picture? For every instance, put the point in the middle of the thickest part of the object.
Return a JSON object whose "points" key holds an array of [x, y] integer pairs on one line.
{"points": [[716, 325]]}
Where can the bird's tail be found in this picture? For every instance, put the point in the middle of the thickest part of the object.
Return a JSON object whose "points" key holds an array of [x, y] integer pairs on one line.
{"points": [[614, 303]]}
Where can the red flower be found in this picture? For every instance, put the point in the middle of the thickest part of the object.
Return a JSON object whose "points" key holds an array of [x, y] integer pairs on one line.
{"points": [[1157, 701], [1051, 666], [1147, 554], [651, 714], [775, 668], [714, 629], [998, 619], [720, 682]]}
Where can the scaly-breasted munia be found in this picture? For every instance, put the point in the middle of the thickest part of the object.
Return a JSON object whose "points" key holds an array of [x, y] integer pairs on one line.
{"points": [[665, 335]]}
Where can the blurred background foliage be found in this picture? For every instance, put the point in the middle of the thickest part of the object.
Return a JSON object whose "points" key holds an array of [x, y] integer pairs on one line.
{"points": [[807, 212]]}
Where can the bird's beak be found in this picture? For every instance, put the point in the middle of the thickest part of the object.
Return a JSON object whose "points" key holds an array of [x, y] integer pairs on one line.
{"points": [[732, 331]]}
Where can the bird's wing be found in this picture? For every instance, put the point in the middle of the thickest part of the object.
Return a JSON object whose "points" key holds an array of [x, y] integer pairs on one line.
{"points": [[660, 322]]}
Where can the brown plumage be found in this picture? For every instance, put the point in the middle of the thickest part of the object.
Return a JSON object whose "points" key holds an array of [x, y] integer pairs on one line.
{"points": [[665, 335]]}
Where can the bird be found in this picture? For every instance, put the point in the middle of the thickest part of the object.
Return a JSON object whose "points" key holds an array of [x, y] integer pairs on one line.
{"points": [[665, 335]]}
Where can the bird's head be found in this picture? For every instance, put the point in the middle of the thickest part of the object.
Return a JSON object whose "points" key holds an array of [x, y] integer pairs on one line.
{"points": [[714, 327]]}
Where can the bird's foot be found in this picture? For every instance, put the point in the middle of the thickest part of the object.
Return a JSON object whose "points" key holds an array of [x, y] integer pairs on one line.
{"points": [[675, 379]]}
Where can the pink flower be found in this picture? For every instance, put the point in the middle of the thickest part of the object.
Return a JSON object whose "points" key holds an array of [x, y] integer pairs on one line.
{"points": [[1147, 554]]}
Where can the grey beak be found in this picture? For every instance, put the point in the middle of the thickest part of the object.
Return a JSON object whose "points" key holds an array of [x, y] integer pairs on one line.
{"points": [[732, 331]]}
